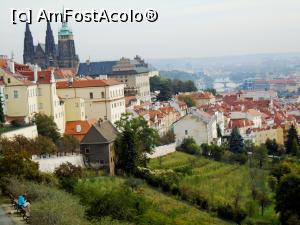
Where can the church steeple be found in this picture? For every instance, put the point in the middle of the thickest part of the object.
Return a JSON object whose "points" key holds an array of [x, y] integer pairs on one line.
{"points": [[28, 52], [50, 49]]}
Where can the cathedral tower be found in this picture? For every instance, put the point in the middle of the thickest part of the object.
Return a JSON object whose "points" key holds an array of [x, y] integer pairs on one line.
{"points": [[50, 48], [67, 57], [28, 52]]}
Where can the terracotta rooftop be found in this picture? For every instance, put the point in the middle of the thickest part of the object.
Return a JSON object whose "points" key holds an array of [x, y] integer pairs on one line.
{"points": [[83, 127], [86, 83]]}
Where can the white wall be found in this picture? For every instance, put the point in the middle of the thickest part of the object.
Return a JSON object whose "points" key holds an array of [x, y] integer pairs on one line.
{"points": [[162, 150], [49, 164], [28, 132]]}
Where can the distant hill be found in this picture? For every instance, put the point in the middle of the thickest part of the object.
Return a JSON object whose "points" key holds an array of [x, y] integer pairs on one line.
{"points": [[179, 75]]}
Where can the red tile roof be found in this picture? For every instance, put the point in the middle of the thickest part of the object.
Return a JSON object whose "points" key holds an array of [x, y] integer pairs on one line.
{"points": [[84, 128], [44, 76], [240, 123], [86, 83], [3, 63], [202, 95]]}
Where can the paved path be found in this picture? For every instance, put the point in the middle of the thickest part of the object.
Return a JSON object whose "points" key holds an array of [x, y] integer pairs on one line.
{"points": [[4, 219]]}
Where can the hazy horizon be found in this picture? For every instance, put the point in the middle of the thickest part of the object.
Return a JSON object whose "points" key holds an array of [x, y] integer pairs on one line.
{"points": [[185, 29]]}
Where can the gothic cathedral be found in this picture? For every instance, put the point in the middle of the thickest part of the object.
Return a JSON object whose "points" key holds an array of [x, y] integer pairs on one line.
{"points": [[46, 55]]}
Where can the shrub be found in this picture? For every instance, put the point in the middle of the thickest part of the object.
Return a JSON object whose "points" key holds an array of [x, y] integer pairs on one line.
{"points": [[121, 204], [189, 146], [238, 158], [59, 209], [68, 175], [225, 212], [168, 138]]}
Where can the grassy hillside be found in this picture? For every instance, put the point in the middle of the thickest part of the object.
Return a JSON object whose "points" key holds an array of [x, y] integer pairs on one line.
{"points": [[220, 183], [164, 208]]}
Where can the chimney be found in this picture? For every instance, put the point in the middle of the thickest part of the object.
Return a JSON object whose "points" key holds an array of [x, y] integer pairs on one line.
{"points": [[11, 64], [52, 79], [100, 121], [35, 73], [88, 61], [70, 81]]}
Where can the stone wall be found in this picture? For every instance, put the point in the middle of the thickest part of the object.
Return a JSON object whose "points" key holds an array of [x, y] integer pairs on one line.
{"points": [[50, 163], [28, 132], [162, 150]]}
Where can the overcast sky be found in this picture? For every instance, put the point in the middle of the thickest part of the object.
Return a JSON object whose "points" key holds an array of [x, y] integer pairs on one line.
{"points": [[185, 28]]}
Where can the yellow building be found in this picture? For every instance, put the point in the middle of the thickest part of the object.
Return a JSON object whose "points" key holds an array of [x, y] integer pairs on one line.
{"points": [[28, 92], [75, 109], [102, 98], [263, 134], [20, 96]]}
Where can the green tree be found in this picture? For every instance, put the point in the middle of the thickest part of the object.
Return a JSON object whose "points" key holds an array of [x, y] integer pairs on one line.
{"points": [[18, 164], [236, 141], [263, 199], [46, 126], [135, 139], [281, 169], [288, 198], [292, 142], [211, 90], [187, 99], [68, 175], [260, 154], [2, 117], [190, 146], [44, 145], [168, 138], [68, 143], [272, 146], [165, 93]]}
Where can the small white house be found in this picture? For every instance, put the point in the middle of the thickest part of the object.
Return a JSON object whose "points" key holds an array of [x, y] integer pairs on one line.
{"points": [[199, 125]]}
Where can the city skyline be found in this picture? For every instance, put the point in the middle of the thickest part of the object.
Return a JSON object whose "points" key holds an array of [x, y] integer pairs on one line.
{"points": [[193, 29]]}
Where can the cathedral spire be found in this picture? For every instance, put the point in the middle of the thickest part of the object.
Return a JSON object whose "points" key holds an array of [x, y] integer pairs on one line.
{"points": [[50, 49], [28, 52]]}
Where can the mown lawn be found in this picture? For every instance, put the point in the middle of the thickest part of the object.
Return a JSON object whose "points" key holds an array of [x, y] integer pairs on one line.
{"points": [[166, 206], [220, 183]]}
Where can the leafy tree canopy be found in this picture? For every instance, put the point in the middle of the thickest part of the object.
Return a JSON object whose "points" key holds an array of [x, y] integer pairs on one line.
{"points": [[288, 198], [236, 142], [135, 139], [46, 126], [292, 142]]}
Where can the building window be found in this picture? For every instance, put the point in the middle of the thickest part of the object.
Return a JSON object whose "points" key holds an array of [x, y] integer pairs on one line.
{"points": [[6, 96], [101, 161], [91, 95], [16, 94], [8, 80], [186, 132], [87, 151], [39, 92], [102, 94]]}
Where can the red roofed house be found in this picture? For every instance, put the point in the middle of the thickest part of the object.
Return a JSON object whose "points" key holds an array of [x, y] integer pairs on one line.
{"points": [[78, 129]]}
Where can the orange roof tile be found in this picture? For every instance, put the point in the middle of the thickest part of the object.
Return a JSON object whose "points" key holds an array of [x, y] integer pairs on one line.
{"points": [[85, 125], [86, 83]]}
